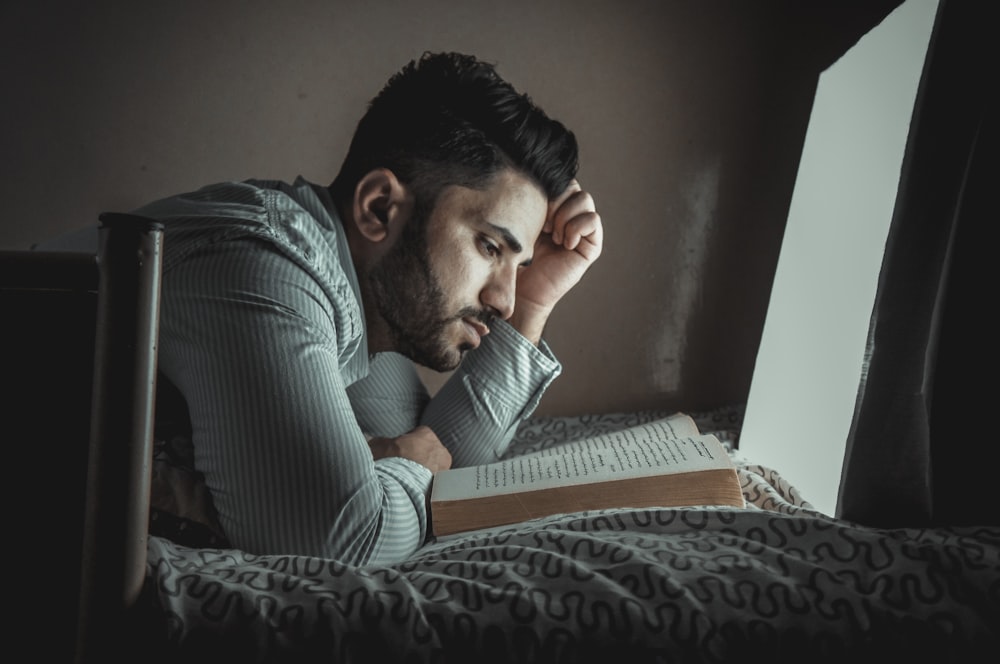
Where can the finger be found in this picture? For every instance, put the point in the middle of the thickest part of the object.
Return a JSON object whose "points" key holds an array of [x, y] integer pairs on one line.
{"points": [[557, 202], [577, 204], [585, 235]]}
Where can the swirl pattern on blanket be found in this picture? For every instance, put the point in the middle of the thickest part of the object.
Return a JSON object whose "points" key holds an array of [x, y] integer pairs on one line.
{"points": [[774, 582], [650, 585]]}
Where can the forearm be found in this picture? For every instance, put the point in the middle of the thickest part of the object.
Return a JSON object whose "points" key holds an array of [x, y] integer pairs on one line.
{"points": [[497, 386]]}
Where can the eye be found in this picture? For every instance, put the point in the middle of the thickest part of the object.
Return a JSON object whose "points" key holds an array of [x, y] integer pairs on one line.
{"points": [[489, 247]]}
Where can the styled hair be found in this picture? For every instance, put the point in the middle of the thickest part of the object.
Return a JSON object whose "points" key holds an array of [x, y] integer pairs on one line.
{"points": [[450, 119]]}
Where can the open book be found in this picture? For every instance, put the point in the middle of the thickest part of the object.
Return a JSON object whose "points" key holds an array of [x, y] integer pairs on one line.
{"points": [[664, 463]]}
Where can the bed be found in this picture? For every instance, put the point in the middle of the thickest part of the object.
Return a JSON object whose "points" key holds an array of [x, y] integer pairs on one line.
{"points": [[775, 581]]}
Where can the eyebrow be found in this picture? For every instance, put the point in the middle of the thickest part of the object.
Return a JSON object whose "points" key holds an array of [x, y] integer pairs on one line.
{"points": [[508, 238]]}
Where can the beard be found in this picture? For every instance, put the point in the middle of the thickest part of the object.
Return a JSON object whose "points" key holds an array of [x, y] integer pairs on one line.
{"points": [[409, 298]]}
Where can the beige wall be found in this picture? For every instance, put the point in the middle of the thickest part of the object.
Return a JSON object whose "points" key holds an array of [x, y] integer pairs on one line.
{"points": [[690, 117]]}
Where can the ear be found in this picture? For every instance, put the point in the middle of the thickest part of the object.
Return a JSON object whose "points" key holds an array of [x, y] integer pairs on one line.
{"points": [[381, 203]]}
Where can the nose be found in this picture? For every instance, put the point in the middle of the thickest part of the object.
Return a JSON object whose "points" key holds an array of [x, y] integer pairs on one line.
{"points": [[498, 294]]}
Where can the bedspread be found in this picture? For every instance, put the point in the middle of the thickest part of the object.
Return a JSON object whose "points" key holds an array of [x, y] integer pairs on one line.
{"points": [[776, 581]]}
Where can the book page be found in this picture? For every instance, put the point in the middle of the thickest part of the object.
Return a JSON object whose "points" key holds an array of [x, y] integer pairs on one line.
{"points": [[678, 425], [636, 452]]}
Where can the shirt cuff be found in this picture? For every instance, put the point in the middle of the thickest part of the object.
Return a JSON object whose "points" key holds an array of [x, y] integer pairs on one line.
{"points": [[511, 368]]}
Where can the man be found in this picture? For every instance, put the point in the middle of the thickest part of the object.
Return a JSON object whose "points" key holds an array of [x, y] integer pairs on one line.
{"points": [[290, 313]]}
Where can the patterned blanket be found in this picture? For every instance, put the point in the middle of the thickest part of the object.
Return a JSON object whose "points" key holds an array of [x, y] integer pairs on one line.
{"points": [[776, 581]]}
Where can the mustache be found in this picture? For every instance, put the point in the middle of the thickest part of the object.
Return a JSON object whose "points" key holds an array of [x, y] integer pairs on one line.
{"points": [[484, 316]]}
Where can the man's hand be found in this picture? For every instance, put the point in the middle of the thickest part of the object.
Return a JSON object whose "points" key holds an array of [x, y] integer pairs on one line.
{"points": [[421, 445], [571, 240]]}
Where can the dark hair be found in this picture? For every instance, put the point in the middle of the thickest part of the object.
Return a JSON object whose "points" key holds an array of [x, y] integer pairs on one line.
{"points": [[449, 118]]}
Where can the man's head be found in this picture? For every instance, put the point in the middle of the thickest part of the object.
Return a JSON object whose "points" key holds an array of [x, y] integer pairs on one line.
{"points": [[449, 118], [447, 180], [454, 268]]}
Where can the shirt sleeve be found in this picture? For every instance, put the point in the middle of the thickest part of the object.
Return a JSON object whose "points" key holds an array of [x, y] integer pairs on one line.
{"points": [[496, 387], [249, 339], [391, 399]]}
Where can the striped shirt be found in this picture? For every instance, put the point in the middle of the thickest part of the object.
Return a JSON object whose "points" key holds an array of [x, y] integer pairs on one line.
{"points": [[262, 330]]}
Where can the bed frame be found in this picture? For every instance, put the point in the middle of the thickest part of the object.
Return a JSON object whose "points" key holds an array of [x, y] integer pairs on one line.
{"points": [[79, 343]]}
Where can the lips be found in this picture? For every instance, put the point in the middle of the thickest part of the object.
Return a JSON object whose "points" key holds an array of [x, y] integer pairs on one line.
{"points": [[477, 328]]}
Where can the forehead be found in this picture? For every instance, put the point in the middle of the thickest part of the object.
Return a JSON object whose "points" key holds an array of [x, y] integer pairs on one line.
{"points": [[511, 204]]}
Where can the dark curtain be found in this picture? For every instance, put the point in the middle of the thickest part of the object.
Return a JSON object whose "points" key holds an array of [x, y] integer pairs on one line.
{"points": [[922, 448]]}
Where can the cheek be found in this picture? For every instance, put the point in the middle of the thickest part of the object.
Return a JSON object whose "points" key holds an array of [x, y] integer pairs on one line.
{"points": [[460, 278]]}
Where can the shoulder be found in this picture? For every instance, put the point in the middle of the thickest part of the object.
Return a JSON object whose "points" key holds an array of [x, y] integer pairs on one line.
{"points": [[236, 200]]}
